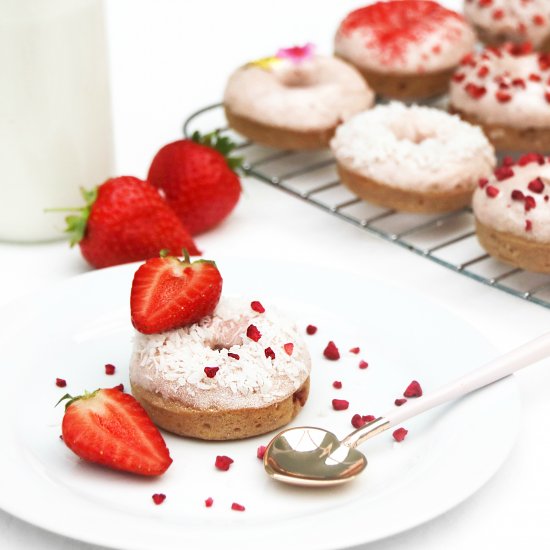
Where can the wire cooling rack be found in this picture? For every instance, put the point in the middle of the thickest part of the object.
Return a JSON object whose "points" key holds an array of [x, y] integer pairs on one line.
{"points": [[446, 239]]}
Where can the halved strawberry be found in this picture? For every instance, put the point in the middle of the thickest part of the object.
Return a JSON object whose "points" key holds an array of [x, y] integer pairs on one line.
{"points": [[111, 428], [169, 293]]}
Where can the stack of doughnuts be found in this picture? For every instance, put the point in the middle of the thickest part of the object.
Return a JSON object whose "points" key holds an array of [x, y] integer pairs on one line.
{"points": [[419, 159], [499, 21]]}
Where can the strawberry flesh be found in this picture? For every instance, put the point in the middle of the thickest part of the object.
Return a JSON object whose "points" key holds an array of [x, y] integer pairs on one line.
{"points": [[168, 294], [111, 428]]}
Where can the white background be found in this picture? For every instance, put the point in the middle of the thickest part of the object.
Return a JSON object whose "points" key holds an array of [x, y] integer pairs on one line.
{"points": [[169, 57]]}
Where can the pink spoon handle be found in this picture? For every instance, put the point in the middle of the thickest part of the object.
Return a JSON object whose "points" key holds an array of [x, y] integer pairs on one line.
{"points": [[499, 368]]}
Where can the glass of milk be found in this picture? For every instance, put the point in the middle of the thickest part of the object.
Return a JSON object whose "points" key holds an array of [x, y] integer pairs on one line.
{"points": [[55, 123]]}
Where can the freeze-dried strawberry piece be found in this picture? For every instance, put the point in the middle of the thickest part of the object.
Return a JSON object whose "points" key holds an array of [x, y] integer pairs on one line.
{"points": [[223, 463], [491, 191], [399, 402], [60, 382], [211, 371], [363, 364], [400, 434], [238, 507], [257, 307], [253, 333], [528, 158], [355, 350], [340, 404], [503, 173], [269, 353], [289, 348], [536, 185], [159, 498], [331, 351], [311, 329], [413, 390], [530, 203], [110, 369], [337, 384], [260, 451], [474, 91], [234, 356], [358, 421], [208, 502]]}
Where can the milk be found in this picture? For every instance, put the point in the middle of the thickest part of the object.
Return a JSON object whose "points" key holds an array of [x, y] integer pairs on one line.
{"points": [[55, 125]]}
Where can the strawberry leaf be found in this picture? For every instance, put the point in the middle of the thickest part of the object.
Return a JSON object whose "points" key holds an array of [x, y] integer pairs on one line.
{"points": [[222, 144]]}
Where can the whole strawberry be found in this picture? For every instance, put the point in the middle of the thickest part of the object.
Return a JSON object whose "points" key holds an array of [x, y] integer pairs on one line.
{"points": [[168, 293], [126, 220], [198, 180]]}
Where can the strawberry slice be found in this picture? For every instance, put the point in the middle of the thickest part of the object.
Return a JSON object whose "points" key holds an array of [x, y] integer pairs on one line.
{"points": [[169, 293], [111, 428]]}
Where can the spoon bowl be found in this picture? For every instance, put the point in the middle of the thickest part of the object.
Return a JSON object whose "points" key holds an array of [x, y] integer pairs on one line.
{"points": [[312, 456]]}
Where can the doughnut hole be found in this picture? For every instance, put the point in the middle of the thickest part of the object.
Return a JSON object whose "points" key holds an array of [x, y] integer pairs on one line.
{"points": [[300, 76], [227, 334]]}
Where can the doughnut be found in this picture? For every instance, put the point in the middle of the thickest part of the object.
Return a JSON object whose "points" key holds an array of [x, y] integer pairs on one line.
{"points": [[413, 159], [295, 99], [505, 91], [235, 374], [512, 212], [499, 21], [405, 49]]}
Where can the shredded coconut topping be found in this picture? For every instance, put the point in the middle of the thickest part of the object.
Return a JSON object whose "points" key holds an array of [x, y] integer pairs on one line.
{"points": [[414, 147], [172, 363]]}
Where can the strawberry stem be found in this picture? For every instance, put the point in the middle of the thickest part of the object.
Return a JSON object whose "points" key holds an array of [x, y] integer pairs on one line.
{"points": [[71, 399], [222, 144], [76, 223]]}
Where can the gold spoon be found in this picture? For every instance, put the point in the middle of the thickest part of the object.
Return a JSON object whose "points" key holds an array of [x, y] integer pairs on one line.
{"points": [[317, 458]]}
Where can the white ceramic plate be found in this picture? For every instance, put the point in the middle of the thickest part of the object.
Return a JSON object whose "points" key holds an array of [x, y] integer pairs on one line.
{"points": [[75, 328]]}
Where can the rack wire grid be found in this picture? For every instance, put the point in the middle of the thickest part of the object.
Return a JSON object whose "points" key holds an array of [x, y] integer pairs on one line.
{"points": [[447, 239]]}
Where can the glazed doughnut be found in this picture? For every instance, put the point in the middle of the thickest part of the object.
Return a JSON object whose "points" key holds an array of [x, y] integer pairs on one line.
{"points": [[406, 49], [295, 99], [512, 212], [219, 379], [413, 159], [499, 21], [505, 90]]}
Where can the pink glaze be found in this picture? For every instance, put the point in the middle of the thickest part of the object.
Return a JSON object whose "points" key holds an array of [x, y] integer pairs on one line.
{"points": [[517, 20], [404, 36], [511, 206], [500, 87], [315, 94]]}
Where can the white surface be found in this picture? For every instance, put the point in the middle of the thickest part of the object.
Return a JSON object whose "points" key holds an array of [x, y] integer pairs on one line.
{"points": [[74, 340], [158, 77]]}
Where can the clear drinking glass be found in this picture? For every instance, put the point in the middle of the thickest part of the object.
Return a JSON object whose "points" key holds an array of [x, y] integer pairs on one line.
{"points": [[55, 123]]}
